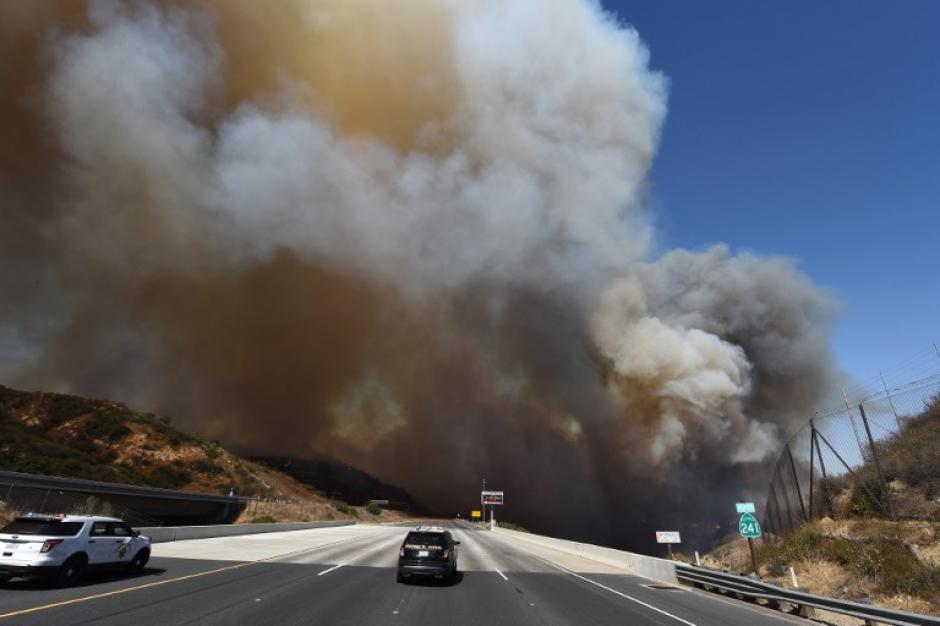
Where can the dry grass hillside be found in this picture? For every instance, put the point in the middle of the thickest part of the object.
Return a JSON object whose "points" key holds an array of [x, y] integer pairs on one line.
{"points": [[893, 564], [63, 435], [860, 555]]}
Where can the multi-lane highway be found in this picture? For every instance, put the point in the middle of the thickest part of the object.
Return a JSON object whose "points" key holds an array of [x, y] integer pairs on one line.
{"points": [[347, 576]]}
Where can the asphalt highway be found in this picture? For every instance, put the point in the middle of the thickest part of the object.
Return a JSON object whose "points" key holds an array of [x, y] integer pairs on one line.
{"points": [[347, 576]]}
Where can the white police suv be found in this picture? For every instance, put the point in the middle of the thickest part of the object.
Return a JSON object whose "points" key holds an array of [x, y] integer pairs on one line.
{"points": [[64, 546]]}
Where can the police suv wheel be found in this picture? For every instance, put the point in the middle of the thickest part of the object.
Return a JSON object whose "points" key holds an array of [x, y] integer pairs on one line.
{"points": [[140, 560], [70, 572]]}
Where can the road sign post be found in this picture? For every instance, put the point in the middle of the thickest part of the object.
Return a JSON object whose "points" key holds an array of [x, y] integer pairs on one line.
{"points": [[750, 544], [750, 529], [482, 502], [668, 537], [492, 498]]}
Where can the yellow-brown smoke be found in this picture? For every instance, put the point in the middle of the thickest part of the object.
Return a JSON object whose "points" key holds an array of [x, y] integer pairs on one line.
{"points": [[372, 69]]}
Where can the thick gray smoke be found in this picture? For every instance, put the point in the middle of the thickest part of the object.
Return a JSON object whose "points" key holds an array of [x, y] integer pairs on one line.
{"points": [[415, 241]]}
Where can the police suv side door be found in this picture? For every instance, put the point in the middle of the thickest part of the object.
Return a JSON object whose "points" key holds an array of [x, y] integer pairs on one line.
{"points": [[120, 539], [98, 543]]}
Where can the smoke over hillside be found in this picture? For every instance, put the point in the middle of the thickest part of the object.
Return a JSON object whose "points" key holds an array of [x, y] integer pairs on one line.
{"points": [[414, 239]]}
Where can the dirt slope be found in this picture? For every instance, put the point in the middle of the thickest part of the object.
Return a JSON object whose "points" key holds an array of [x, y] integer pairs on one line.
{"points": [[63, 435]]}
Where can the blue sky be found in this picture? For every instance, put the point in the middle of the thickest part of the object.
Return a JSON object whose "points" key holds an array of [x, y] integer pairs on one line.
{"points": [[809, 129]]}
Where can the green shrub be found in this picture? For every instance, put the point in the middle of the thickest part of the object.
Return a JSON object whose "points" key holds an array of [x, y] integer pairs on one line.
{"points": [[264, 519], [168, 477], [64, 408], [25, 451], [212, 449], [345, 509], [207, 467], [373, 509], [93, 506], [869, 499], [912, 454], [110, 425]]}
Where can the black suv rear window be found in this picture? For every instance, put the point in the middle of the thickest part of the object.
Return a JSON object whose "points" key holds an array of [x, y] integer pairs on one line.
{"points": [[425, 539], [46, 528]]}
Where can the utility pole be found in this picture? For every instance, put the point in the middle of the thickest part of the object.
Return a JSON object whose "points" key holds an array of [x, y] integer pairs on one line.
{"points": [[483, 502], [937, 348]]}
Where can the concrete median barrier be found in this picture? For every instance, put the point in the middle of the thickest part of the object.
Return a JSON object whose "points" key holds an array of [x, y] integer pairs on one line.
{"points": [[652, 568], [162, 534]]}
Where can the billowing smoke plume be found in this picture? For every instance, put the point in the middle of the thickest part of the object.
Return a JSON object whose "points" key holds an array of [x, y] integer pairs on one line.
{"points": [[413, 238]]}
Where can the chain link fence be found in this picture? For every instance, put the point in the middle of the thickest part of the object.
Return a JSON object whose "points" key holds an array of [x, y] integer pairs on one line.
{"points": [[876, 456]]}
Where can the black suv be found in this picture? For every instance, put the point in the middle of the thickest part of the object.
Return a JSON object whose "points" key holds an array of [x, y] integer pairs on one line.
{"points": [[428, 551]]}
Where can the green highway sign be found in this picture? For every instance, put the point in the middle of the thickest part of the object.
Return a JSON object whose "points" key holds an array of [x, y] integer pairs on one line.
{"points": [[748, 526]]}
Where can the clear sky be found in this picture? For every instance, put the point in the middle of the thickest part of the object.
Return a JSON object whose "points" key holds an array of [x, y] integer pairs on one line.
{"points": [[809, 129]]}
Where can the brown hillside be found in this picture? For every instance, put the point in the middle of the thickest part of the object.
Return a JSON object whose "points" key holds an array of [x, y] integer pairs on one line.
{"points": [[64, 435]]}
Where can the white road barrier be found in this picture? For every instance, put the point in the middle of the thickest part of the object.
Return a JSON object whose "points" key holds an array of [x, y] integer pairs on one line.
{"points": [[162, 534], [649, 567]]}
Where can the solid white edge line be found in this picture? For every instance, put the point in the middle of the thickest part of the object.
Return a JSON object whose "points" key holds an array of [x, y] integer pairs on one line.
{"points": [[614, 591], [501, 574], [327, 571]]}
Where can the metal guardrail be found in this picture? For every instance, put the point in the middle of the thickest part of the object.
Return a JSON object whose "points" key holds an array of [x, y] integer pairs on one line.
{"points": [[754, 589], [36, 481]]}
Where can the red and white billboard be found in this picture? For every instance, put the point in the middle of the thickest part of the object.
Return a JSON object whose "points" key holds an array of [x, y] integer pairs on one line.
{"points": [[491, 497]]}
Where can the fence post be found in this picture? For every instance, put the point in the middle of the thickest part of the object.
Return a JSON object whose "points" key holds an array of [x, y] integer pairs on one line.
{"points": [[769, 510], [894, 409], [858, 438], [812, 463], [822, 468], [779, 523], [799, 492], [874, 454], [854, 476]]}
